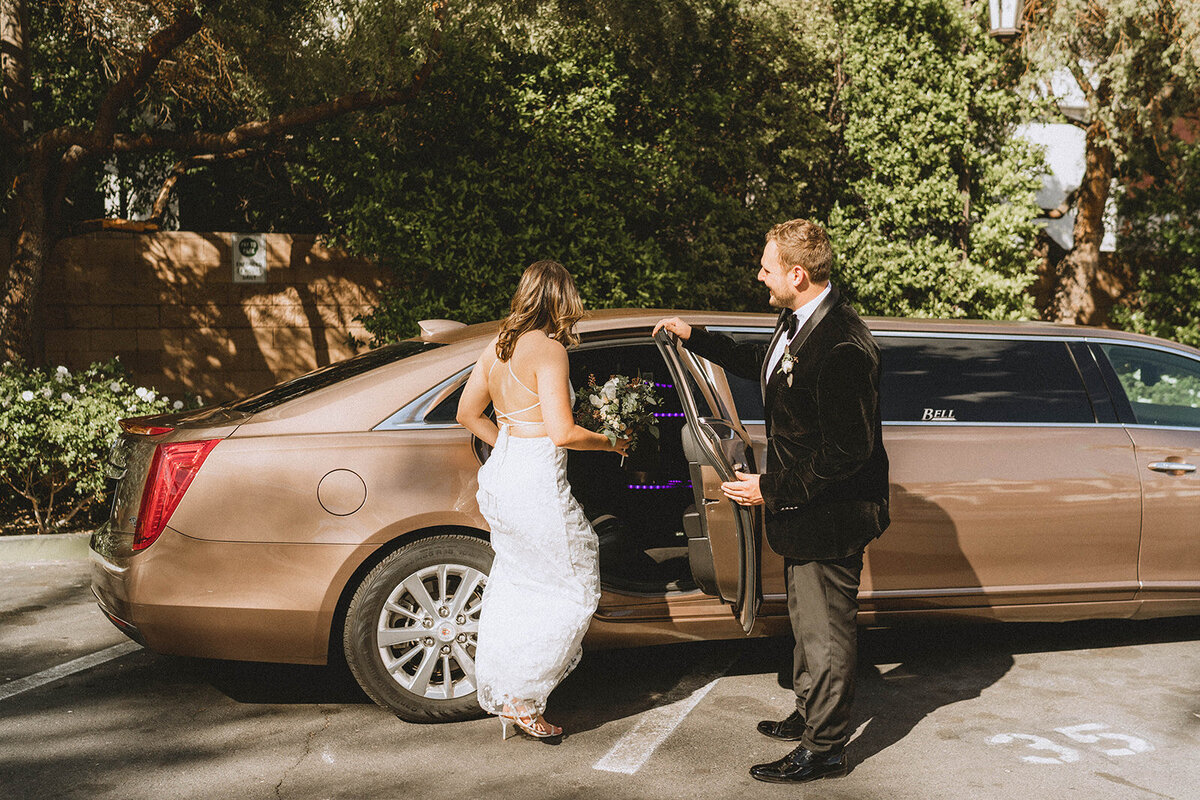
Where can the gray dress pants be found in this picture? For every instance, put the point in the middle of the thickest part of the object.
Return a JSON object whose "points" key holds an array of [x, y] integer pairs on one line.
{"points": [[823, 606]]}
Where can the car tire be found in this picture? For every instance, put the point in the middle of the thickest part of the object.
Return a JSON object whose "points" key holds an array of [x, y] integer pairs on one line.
{"points": [[411, 625]]}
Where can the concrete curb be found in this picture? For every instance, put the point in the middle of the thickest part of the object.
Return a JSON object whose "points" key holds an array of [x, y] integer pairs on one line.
{"points": [[48, 547]]}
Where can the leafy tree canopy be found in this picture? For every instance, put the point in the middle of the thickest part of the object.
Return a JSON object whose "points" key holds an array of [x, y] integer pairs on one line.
{"points": [[647, 145], [935, 213], [1136, 67], [650, 148], [642, 147]]}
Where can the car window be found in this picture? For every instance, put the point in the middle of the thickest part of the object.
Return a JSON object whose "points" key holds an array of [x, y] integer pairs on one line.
{"points": [[604, 361], [953, 379], [641, 359], [446, 412], [1162, 388], [331, 374], [747, 398], [747, 394]]}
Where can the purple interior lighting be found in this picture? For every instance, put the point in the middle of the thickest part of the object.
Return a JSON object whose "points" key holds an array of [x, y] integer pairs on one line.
{"points": [[667, 485]]}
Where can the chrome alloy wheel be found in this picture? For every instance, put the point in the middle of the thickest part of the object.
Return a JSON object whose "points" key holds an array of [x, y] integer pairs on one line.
{"points": [[427, 631]]}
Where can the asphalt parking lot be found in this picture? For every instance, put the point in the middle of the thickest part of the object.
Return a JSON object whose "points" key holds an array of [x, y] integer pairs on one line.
{"points": [[1092, 710]]}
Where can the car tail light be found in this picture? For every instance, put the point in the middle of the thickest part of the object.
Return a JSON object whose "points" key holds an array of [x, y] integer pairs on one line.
{"points": [[171, 471]]}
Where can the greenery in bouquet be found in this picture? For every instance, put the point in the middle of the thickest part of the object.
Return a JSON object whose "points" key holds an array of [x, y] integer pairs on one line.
{"points": [[622, 407], [55, 430]]}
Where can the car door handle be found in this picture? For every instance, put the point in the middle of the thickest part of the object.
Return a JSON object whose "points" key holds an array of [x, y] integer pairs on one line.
{"points": [[708, 501], [1172, 466]]}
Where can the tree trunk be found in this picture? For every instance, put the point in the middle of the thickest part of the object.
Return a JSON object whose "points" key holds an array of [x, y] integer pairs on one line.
{"points": [[1077, 272], [26, 233], [17, 93], [30, 249]]}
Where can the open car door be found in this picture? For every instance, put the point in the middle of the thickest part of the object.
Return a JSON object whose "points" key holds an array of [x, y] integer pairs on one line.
{"points": [[723, 537]]}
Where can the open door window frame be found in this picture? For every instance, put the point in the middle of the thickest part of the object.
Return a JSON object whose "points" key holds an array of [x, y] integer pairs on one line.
{"points": [[719, 516]]}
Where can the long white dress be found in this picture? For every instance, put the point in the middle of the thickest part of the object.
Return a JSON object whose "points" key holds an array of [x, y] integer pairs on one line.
{"points": [[545, 580]]}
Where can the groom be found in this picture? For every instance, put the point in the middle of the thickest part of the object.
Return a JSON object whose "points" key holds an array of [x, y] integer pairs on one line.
{"points": [[826, 482]]}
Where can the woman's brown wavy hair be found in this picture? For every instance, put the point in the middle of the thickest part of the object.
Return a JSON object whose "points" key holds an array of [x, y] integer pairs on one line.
{"points": [[546, 300]]}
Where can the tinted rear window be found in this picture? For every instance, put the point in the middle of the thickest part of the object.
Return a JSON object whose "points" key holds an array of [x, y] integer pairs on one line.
{"points": [[1163, 388], [980, 380], [331, 374], [446, 412], [747, 394]]}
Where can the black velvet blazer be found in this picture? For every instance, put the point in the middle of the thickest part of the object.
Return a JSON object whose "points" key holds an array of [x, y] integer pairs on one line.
{"points": [[826, 479]]}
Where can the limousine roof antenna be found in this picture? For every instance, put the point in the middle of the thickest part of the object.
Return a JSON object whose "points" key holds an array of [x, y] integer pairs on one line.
{"points": [[432, 328]]}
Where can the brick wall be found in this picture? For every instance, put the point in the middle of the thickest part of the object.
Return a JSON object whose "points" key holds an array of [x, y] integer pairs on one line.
{"points": [[166, 304]]}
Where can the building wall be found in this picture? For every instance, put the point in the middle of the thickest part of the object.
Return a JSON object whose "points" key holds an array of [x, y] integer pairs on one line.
{"points": [[166, 305]]}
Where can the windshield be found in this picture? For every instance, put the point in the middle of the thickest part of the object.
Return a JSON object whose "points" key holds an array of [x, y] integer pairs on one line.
{"points": [[331, 374]]}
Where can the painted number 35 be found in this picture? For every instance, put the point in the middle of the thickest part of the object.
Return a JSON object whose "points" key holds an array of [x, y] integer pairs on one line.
{"points": [[1093, 733]]}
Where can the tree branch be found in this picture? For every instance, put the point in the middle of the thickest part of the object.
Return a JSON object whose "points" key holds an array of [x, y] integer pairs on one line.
{"points": [[1065, 206], [81, 143], [180, 169], [1155, 107], [249, 132], [217, 147], [208, 142], [161, 45], [1059, 113], [1085, 85], [83, 503]]}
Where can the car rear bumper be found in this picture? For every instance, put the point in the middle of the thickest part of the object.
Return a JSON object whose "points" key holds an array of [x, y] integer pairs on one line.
{"points": [[123, 625], [232, 600]]}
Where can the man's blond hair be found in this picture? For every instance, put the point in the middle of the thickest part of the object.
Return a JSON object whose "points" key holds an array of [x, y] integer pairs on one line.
{"points": [[806, 244]]}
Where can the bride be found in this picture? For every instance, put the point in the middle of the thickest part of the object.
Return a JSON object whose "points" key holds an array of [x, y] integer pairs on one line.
{"points": [[544, 583]]}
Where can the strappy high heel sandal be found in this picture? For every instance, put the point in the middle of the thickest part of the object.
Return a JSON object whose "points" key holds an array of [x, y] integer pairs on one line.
{"points": [[534, 725]]}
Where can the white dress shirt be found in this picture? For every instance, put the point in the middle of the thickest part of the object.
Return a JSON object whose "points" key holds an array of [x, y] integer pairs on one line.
{"points": [[802, 314]]}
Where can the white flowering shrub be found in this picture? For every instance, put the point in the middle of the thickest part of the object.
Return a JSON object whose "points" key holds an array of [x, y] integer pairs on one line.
{"points": [[55, 430]]}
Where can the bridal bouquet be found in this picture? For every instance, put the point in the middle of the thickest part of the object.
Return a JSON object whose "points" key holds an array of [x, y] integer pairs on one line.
{"points": [[620, 408]]}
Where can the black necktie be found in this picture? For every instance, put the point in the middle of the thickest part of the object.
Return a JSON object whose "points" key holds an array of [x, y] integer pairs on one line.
{"points": [[790, 324]]}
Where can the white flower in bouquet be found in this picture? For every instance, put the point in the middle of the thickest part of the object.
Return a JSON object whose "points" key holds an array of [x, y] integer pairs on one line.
{"points": [[620, 408]]}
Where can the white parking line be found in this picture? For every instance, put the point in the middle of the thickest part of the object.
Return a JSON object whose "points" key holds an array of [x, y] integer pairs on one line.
{"points": [[635, 748], [63, 670]]}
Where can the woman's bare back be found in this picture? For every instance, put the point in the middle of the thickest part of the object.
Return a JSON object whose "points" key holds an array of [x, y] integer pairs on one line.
{"points": [[513, 386]]}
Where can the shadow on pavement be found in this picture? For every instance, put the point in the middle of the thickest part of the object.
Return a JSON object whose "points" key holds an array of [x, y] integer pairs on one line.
{"points": [[257, 683], [612, 685], [905, 673]]}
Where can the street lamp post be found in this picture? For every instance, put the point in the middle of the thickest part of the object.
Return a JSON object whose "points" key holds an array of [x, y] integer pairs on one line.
{"points": [[1005, 17]]}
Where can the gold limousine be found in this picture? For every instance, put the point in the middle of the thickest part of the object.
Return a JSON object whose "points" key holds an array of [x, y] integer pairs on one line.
{"points": [[1038, 472]]}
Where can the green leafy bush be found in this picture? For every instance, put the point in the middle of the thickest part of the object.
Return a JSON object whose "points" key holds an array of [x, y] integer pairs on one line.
{"points": [[1159, 243], [937, 217], [648, 153], [649, 147], [55, 430]]}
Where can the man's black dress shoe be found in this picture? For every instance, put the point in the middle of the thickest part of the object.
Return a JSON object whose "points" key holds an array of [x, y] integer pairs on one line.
{"points": [[801, 765], [789, 730]]}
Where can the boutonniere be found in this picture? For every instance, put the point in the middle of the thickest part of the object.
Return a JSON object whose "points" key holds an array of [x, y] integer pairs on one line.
{"points": [[785, 365]]}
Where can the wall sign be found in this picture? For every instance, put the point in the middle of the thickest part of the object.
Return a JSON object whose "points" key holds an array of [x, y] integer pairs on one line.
{"points": [[249, 258]]}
